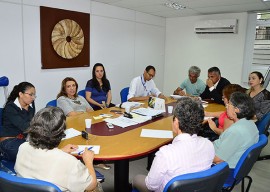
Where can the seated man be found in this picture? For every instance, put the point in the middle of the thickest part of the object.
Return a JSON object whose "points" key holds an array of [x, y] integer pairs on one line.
{"points": [[188, 152], [243, 133], [142, 87], [192, 85], [215, 84]]}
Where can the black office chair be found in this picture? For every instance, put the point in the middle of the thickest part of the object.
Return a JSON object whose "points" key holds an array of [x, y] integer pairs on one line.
{"points": [[9, 183], [244, 166], [124, 94], [210, 180]]}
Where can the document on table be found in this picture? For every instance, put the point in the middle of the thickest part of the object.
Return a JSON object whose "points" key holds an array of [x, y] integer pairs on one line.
{"points": [[153, 133], [121, 121], [81, 149], [71, 132]]}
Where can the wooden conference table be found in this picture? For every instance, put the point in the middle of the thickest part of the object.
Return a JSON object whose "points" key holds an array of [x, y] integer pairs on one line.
{"points": [[121, 144]]}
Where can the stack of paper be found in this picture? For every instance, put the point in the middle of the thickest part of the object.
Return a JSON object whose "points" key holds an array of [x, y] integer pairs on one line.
{"points": [[121, 121], [147, 111]]}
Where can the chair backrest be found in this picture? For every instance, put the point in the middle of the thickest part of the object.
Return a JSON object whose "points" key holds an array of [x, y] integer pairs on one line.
{"points": [[203, 181], [82, 93], [52, 103], [249, 158], [10, 183], [124, 94], [264, 124], [1, 117]]}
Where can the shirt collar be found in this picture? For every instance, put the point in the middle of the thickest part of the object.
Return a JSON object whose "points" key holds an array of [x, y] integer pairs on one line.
{"points": [[17, 103], [216, 83], [184, 136]]}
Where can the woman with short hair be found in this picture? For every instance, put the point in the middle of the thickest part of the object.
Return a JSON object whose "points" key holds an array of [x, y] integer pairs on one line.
{"points": [[40, 158]]}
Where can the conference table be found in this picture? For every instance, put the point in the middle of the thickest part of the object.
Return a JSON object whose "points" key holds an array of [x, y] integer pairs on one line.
{"points": [[119, 145]]}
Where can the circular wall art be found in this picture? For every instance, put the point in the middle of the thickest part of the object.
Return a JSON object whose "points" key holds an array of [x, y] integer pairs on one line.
{"points": [[67, 39]]}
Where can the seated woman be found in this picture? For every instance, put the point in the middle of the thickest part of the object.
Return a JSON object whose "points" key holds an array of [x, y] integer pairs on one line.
{"points": [[243, 133], [188, 153], [17, 114], [41, 159], [260, 96], [68, 99], [98, 89], [223, 121]]}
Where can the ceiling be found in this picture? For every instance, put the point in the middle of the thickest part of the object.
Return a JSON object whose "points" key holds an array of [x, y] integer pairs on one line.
{"points": [[193, 7]]}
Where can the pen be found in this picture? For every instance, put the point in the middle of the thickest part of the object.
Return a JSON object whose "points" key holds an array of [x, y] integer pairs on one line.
{"points": [[83, 150]]}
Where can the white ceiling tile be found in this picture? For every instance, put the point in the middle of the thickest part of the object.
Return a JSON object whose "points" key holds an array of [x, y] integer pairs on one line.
{"points": [[194, 7]]}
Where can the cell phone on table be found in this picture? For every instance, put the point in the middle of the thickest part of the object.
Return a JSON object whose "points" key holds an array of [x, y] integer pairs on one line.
{"points": [[85, 135]]}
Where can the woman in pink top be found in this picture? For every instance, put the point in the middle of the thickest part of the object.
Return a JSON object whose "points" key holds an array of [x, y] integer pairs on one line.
{"points": [[223, 120]]}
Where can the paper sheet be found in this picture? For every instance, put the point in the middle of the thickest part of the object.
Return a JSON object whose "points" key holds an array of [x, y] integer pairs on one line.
{"points": [[206, 118], [121, 121], [81, 148], [156, 133], [71, 132]]}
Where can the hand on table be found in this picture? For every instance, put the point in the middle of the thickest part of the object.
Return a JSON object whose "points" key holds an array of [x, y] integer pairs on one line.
{"points": [[69, 148], [88, 155]]}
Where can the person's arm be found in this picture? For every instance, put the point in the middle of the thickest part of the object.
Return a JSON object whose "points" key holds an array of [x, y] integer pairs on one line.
{"points": [[217, 160], [88, 157], [157, 172], [213, 126], [15, 118], [109, 98], [143, 98], [162, 96], [179, 91], [92, 101], [213, 114], [69, 148]]}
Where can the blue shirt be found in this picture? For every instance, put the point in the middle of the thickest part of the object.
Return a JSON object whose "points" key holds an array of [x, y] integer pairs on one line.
{"points": [[194, 89], [96, 95]]}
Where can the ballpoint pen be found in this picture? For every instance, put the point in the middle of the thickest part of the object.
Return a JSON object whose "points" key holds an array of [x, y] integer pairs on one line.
{"points": [[83, 150]]}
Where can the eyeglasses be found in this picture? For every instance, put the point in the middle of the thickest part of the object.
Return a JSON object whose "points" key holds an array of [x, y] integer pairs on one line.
{"points": [[150, 75], [31, 95]]}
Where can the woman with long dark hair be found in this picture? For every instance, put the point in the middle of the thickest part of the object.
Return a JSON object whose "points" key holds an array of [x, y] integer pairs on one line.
{"points": [[98, 89], [260, 96], [17, 114]]}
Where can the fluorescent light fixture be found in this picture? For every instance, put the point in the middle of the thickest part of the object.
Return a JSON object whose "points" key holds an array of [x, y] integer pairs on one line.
{"points": [[174, 5], [265, 0]]}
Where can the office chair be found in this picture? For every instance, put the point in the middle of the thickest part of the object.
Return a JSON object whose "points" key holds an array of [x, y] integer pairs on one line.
{"points": [[244, 166], [124, 94], [52, 103], [263, 126], [1, 112], [10, 183], [210, 180], [82, 93]]}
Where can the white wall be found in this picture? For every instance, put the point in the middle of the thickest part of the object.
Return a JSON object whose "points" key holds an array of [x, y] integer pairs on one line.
{"points": [[184, 48], [124, 41]]}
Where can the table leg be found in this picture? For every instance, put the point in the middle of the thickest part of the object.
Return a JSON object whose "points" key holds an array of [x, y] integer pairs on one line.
{"points": [[121, 176]]}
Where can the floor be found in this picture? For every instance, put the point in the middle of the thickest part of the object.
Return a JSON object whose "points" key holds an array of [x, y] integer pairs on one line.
{"points": [[260, 174]]}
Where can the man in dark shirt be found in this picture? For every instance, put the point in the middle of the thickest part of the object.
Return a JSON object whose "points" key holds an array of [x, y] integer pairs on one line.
{"points": [[214, 86]]}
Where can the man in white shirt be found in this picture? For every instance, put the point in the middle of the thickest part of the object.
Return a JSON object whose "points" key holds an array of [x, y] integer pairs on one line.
{"points": [[142, 87]]}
